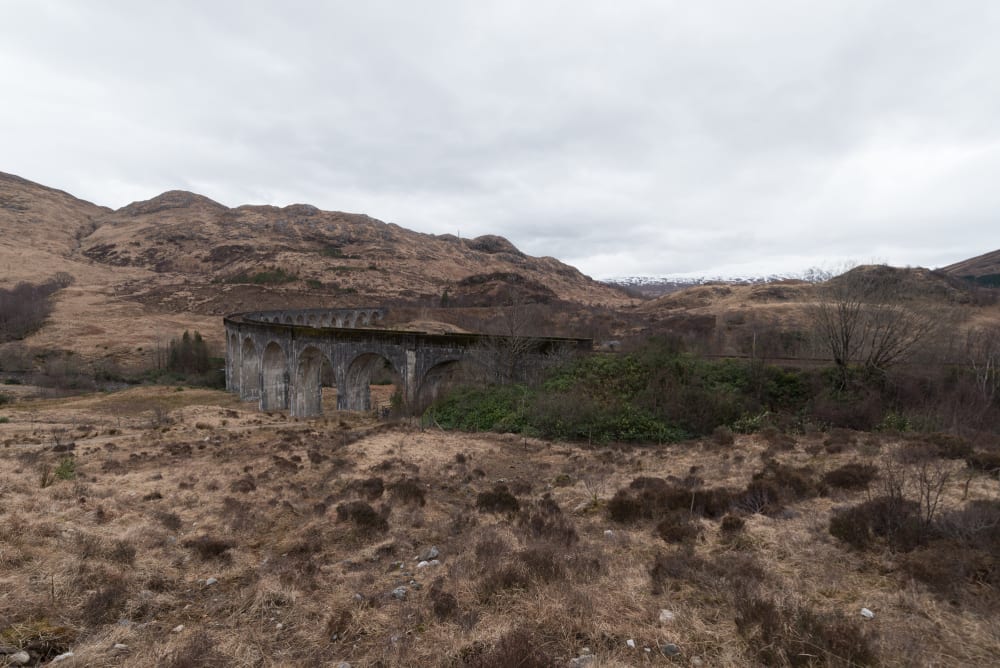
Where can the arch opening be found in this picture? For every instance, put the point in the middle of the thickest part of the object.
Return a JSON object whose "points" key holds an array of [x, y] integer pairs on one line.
{"points": [[371, 383], [312, 373], [274, 379], [249, 372], [436, 382]]}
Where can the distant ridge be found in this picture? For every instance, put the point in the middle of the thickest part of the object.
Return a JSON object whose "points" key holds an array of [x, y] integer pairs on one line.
{"points": [[983, 269]]}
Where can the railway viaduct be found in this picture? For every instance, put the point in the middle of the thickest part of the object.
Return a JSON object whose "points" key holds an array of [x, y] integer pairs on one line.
{"points": [[277, 358]]}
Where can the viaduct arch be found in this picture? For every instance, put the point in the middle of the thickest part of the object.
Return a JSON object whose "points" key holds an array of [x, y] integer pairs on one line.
{"points": [[278, 358]]}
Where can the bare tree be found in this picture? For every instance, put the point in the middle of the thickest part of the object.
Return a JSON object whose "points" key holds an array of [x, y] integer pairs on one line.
{"points": [[982, 351], [502, 357], [864, 317]]}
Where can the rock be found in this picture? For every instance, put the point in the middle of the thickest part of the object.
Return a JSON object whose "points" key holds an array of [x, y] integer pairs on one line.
{"points": [[696, 661], [432, 553], [433, 562], [608, 533], [630, 643], [19, 658], [119, 646], [867, 614], [666, 616], [423, 564], [669, 649], [279, 626], [343, 664], [210, 581], [62, 657], [177, 629], [584, 660], [399, 593]]}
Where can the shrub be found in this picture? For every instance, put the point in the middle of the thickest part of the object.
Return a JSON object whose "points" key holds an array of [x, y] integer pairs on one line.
{"points": [[169, 520], [66, 470], [732, 523], [371, 488], [723, 435], [988, 461], [678, 566], [949, 446], [889, 517], [521, 647], [653, 498], [408, 490], [509, 576], [105, 604], [777, 439], [363, 517], [443, 603], [207, 547], [243, 485], [853, 475], [782, 636], [122, 552], [546, 521], [498, 500], [677, 527], [543, 562]]}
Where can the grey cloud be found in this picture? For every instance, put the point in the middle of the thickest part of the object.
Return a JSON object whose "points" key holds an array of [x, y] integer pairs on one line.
{"points": [[651, 137]]}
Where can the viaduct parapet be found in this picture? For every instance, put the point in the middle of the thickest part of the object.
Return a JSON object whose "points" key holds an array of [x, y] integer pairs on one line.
{"points": [[279, 358]]}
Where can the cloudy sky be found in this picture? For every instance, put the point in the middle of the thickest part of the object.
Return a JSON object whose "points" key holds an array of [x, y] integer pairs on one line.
{"points": [[627, 138]]}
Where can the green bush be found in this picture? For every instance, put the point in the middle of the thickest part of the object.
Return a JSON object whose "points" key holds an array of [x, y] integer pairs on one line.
{"points": [[66, 470]]}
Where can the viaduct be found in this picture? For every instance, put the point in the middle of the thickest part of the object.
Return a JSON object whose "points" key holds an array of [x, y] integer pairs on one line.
{"points": [[277, 358]]}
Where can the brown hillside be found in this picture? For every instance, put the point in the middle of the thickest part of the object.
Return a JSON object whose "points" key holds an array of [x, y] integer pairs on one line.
{"points": [[981, 265], [149, 270]]}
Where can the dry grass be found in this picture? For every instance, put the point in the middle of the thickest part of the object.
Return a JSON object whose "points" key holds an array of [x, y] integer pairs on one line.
{"points": [[306, 560]]}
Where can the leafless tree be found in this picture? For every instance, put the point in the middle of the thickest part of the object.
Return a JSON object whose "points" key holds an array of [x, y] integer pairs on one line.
{"points": [[982, 351], [864, 317], [502, 357]]}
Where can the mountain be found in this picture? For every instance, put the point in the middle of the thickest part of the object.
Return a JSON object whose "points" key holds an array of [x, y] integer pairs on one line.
{"points": [[983, 269], [145, 272]]}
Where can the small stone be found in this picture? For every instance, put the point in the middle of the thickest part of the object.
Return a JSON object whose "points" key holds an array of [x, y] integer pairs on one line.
{"points": [[423, 564], [670, 649], [433, 562], [666, 616], [399, 593], [358, 598], [585, 650], [177, 629], [19, 658], [119, 647], [62, 657], [630, 643], [343, 664], [432, 553], [608, 533], [581, 661], [696, 661], [211, 581], [867, 614]]}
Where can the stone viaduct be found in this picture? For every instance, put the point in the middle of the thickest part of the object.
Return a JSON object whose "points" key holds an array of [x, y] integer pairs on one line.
{"points": [[277, 358]]}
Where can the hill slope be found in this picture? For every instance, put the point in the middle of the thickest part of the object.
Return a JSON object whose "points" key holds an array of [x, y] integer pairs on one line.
{"points": [[146, 271], [983, 268]]}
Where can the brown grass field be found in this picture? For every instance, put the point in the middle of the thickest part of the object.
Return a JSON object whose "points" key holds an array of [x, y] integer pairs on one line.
{"points": [[118, 509]]}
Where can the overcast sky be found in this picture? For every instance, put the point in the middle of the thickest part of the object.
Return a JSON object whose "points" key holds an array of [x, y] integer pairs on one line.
{"points": [[626, 138]]}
